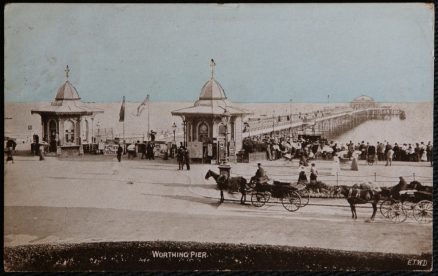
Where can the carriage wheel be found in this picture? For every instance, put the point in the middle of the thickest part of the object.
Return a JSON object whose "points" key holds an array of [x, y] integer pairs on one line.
{"points": [[408, 208], [370, 162], [291, 201], [385, 207], [259, 199], [396, 213], [305, 196], [423, 211]]}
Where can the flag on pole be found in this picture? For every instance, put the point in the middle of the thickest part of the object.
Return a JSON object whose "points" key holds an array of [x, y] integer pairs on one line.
{"points": [[142, 105], [122, 111]]}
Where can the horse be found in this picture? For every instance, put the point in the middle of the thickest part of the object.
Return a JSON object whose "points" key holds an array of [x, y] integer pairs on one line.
{"points": [[356, 195], [233, 185]]}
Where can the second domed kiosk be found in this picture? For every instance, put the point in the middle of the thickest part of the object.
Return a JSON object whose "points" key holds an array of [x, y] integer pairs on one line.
{"points": [[211, 123]]}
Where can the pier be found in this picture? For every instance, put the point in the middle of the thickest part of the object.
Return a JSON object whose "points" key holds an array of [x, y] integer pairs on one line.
{"points": [[328, 123]]}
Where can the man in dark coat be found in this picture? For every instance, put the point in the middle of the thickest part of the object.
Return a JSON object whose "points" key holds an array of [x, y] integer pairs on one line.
{"points": [[119, 153], [187, 159], [180, 157]]}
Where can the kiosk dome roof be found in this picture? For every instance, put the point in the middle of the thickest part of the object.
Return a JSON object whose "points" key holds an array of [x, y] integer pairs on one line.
{"points": [[67, 92], [212, 90]]}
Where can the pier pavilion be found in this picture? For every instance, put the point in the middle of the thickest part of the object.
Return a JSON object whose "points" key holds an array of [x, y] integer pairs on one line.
{"points": [[66, 122], [363, 102], [213, 125]]}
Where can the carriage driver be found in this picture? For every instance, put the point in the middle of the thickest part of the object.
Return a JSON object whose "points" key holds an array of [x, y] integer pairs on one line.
{"points": [[260, 176]]}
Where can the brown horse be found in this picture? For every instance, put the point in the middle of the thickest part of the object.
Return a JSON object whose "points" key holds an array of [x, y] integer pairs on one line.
{"points": [[359, 196], [232, 185]]}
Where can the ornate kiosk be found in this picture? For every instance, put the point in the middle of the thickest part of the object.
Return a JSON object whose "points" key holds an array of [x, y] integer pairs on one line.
{"points": [[212, 126], [66, 122]]}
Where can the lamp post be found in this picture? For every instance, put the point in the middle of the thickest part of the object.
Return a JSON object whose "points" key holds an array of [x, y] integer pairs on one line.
{"points": [[225, 120], [174, 130], [184, 130], [98, 128]]}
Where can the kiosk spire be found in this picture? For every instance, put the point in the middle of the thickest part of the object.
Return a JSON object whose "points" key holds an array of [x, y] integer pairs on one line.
{"points": [[67, 70], [212, 65]]}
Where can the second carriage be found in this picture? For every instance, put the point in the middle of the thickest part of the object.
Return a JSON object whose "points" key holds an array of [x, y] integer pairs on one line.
{"points": [[410, 203]]}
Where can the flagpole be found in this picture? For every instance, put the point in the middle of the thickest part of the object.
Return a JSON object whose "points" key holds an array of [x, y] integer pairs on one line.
{"points": [[148, 117]]}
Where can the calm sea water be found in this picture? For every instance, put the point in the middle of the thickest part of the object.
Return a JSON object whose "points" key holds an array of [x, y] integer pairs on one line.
{"points": [[418, 125]]}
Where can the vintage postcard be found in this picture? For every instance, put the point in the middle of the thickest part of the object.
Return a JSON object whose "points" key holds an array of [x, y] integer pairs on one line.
{"points": [[197, 137]]}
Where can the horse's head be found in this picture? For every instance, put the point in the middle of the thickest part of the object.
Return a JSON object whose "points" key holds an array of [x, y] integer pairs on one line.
{"points": [[340, 190], [207, 176]]}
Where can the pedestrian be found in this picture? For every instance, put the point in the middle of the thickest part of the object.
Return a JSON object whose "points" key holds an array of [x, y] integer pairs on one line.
{"points": [[41, 152], [302, 177], [389, 155], [143, 150], [242, 189], [429, 152], [354, 166], [131, 151], [180, 157], [313, 173], [149, 151], [187, 159], [10, 145], [119, 153]]}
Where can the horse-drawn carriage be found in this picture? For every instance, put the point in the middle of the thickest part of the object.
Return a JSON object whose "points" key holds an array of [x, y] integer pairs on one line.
{"points": [[413, 203], [292, 197]]}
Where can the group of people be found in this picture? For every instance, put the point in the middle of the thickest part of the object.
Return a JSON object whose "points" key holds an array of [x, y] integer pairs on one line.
{"points": [[417, 152], [302, 149], [146, 150], [183, 157], [306, 149]]}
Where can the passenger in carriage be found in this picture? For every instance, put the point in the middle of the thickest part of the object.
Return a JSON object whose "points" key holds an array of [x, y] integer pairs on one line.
{"points": [[302, 177]]}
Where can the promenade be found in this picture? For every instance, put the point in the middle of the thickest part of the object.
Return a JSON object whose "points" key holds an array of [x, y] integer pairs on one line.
{"points": [[95, 198]]}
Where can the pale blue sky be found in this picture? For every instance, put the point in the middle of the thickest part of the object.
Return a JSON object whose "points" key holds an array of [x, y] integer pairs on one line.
{"points": [[263, 52]]}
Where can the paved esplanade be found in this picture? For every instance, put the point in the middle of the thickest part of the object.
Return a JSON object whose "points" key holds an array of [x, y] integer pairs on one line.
{"points": [[58, 201]]}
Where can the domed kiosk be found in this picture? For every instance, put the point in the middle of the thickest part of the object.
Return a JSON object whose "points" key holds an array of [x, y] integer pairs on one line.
{"points": [[66, 121], [211, 123], [363, 102]]}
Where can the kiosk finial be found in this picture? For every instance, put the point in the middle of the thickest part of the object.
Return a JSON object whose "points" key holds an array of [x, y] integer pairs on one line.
{"points": [[67, 70], [212, 65]]}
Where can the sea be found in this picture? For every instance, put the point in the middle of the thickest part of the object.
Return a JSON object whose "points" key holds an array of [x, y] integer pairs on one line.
{"points": [[417, 127]]}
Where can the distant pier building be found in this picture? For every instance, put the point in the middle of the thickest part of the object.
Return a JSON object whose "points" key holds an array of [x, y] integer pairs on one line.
{"points": [[363, 102], [66, 122]]}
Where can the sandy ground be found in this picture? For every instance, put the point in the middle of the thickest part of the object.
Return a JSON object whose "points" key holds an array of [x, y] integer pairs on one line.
{"points": [[98, 199]]}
